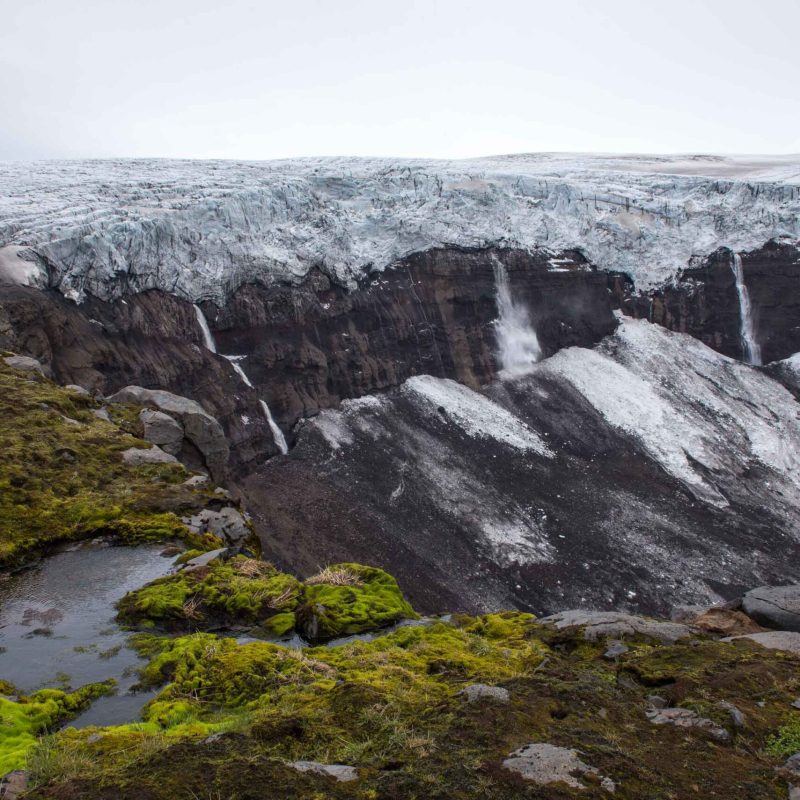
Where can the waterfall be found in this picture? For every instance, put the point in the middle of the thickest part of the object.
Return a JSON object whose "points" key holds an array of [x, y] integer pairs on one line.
{"points": [[751, 348], [208, 340], [277, 434], [518, 345], [208, 337], [234, 361]]}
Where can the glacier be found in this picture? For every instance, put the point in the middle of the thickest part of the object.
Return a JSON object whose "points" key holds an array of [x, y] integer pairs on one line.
{"points": [[200, 229]]}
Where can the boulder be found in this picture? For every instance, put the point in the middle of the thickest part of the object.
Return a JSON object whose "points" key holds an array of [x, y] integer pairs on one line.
{"points": [[163, 430], [617, 625], [199, 428], [102, 413], [686, 718], [788, 641], [154, 455], [776, 607], [341, 772], [227, 523], [481, 691], [545, 763], [724, 621], [25, 364], [196, 480], [73, 387]]}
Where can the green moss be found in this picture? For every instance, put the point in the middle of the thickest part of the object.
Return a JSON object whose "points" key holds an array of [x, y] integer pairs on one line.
{"points": [[64, 481], [392, 707], [249, 592], [240, 591], [22, 720], [329, 610], [786, 741]]}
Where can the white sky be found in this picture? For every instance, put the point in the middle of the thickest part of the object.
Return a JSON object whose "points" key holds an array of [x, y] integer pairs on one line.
{"points": [[264, 79]]}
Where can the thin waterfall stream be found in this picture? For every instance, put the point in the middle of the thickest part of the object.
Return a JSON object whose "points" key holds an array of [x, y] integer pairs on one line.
{"points": [[210, 343]]}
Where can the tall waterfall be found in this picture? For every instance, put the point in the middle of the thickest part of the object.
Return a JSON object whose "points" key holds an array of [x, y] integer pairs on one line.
{"points": [[208, 337], [277, 433], [751, 348], [518, 345]]}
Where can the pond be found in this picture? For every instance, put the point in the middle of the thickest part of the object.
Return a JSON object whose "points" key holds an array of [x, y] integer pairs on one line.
{"points": [[57, 624]]}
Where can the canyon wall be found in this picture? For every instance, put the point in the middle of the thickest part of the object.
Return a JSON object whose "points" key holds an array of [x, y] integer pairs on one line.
{"points": [[307, 347]]}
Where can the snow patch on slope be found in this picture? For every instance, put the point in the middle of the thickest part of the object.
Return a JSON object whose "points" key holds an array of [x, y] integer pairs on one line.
{"points": [[695, 411], [474, 413]]}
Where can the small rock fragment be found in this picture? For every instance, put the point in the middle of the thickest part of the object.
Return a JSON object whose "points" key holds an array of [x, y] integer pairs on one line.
{"points": [[154, 455], [615, 650], [73, 387], [655, 701], [481, 691], [545, 763], [736, 715], [788, 641], [102, 413], [341, 772], [615, 624], [686, 718]]}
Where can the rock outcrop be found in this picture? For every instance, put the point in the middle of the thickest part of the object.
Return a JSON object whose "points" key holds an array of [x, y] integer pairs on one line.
{"points": [[646, 471], [202, 434]]}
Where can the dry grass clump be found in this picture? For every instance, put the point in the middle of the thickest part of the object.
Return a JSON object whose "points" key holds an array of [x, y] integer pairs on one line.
{"points": [[338, 576], [253, 568]]}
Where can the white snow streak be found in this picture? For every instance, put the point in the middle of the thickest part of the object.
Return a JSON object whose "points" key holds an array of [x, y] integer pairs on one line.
{"points": [[475, 414]]}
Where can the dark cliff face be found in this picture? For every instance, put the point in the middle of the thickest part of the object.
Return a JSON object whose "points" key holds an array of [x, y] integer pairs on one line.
{"points": [[306, 348], [704, 302]]}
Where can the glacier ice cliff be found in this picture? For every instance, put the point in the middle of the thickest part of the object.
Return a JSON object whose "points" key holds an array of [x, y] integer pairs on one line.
{"points": [[201, 229]]}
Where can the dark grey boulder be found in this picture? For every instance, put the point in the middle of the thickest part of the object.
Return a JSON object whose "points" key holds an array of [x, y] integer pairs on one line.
{"points": [[776, 607], [199, 427], [162, 429]]}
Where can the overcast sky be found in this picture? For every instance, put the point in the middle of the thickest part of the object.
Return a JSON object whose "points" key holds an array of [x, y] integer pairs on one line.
{"points": [[445, 78]]}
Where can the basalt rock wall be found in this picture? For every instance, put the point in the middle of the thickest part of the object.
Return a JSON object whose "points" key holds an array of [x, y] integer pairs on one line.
{"points": [[306, 348], [703, 301]]}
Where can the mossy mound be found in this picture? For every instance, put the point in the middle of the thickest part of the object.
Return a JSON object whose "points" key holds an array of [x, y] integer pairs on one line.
{"points": [[62, 476], [346, 599], [224, 594], [231, 718], [341, 600], [22, 720]]}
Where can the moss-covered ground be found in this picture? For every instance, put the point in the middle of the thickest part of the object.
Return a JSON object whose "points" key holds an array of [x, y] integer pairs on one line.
{"points": [[230, 717], [62, 476], [341, 600], [23, 719]]}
